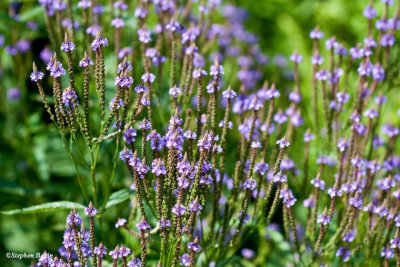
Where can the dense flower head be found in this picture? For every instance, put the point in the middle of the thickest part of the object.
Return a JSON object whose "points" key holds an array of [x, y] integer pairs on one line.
{"points": [[287, 197], [144, 35], [115, 105], [296, 58], [250, 184], [318, 183], [143, 225], [99, 42], [324, 219], [175, 91], [129, 135], [69, 98], [179, 209], [344, 253], [68, 46], [125, 66], [158, 167], [73, 219], [229, 93], [369, 12], [100, 251], [261, 167], [86, 62], [120, 222], [84, 4], [194, 246], [283, 143], [56, 69], [316, 34], [118, 23], [36, 76], [135, 262], [91, 210]]}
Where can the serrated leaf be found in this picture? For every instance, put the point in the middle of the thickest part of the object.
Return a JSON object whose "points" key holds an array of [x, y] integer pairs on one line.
{"points": [[119, 197], [45, 207]]}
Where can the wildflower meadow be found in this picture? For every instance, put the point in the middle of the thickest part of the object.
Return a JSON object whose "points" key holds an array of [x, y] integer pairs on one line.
{"points": [[199, 133]]}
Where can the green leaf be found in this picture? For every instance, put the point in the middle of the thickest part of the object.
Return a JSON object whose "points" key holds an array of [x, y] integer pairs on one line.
{"points": [[45, 207], [119, 197]]}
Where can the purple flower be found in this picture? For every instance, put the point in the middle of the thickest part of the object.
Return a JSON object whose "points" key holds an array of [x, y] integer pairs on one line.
{"points": [[119, 104], [124, 67], [174, 26], [387, 40], [195, 206], [121, 222], [100, 251], [318, 183], [129, 135], [148, 77], [13, 95], [369, 12], [175, 91], [114, 253], [288, 198], [56, 69], [308, 137], [135, 263], [141, 12], [395, 243], [365, 69], [261, 167], [229, 93], [145, 124], [322, 75], [36, 76], [349, 237], [250, 184], [342, 144], [344, 253], [247, 253], [185, 259], [120, 5], [255, 104], [141, 89], [333, 192], [164, 223], [144, 35], [356, 202], [117, 23], [143, 225], [194, 246], [309, 203], [85, 62], [124, 252], [324, 219], [296, 58], [378, 73], [99, 42], [69, 97], [123, 80], [158, 167], [23, 46], [316, 34], [84, 4], [91, 211], [387, 253], [74, 219], [283, 143], [123, 52], [178, 210], [68, 46]]}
